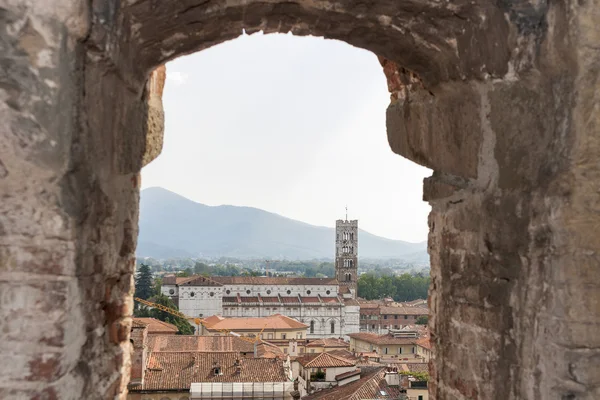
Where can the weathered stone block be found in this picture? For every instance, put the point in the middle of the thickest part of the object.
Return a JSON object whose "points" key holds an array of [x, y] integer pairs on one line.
{"points": [[440, 130]]}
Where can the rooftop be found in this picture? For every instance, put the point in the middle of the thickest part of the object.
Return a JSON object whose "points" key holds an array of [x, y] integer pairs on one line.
{"points": [[175, 343], [324, 360], [177, 370], [198, 280], [156, 326], [275, 321], [371, 385]]}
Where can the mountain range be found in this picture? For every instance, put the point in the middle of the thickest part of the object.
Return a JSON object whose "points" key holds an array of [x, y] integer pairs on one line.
{"points": [[171, 225]]}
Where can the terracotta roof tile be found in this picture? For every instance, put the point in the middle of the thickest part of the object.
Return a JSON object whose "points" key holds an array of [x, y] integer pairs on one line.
{"points": [[136, 323], [324, 360], [342, 353], [369, 386], [330, 299], [351, 302], [275, 321], [174, 343], [230, 299], [310, 300], [177, 370], [249, 299], [424, 342], [290, 300], [156, 326], [270, 299]]}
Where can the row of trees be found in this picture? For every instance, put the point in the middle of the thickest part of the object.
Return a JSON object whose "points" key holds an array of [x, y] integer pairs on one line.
{"points": [[148, 288], [405, 287]]}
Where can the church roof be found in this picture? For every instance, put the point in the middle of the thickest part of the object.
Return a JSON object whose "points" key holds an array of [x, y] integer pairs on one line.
{"points": [[199, 280], [263, 280]]}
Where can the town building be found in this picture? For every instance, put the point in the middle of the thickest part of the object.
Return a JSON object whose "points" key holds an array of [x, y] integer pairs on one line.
{"points": [[396, 346], [327, 305], [323, 371], [176, 367], [374, 383], [379, 316]]}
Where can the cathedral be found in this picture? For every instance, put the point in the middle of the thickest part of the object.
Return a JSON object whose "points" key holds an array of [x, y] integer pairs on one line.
{"points": [[327, 305]]}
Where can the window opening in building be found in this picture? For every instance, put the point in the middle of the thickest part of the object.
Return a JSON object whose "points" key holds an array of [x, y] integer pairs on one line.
{"points": [[312, 326]]}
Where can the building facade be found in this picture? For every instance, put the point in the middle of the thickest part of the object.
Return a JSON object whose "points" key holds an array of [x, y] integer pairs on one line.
{"points": [[316, 302], [328, 306], [380, 318]]}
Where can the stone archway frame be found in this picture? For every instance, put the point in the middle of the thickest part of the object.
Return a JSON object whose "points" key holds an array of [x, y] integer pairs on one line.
{"points": [[498, 98]]}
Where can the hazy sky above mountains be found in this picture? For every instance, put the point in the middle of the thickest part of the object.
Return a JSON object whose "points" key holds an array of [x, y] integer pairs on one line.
{"points": [[291, 125]]}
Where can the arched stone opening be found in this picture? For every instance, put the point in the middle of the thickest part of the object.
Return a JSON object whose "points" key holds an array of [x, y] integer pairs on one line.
{"points": [[499, 98]]}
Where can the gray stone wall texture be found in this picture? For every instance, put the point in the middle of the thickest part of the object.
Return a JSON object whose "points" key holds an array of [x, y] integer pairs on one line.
{"points": [[501, 98]]}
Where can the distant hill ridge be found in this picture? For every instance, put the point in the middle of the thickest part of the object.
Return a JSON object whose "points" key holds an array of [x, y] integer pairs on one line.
{"points": [[173, 226]]}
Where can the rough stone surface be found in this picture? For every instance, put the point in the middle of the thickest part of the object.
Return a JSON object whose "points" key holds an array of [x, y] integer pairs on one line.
{"points": [[500, 98], [156, 115]]}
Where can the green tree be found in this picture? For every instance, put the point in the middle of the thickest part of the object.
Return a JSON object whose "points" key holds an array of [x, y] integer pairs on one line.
{"points": [[422, 320], [157, 286], [185, 328], [143, 282]]}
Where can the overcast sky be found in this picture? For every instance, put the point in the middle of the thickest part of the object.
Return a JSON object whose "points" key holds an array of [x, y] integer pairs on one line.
{"points": [[291, 125]]}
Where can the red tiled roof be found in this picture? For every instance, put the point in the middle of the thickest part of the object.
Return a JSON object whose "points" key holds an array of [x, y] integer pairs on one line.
{"points": [[369, 386], [177, 370], [263, 280], [351, 302], [275, 321], [381, 339], [368, 305], [330, 299], [310, 300], [348, 374], [174, 343], [290, 300], [342, 353], [136, 323], [344, 289], [268, 350], [230, 300], [324, 360], [270, 299], [424, 342], [249, 299], [156, 326]]}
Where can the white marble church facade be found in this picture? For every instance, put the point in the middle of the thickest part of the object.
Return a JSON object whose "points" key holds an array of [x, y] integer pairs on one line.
{"points": [[327, 305], [316, 302]]}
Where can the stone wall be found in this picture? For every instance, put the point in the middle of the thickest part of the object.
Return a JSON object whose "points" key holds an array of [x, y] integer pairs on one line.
{"points": [[499, 98]]}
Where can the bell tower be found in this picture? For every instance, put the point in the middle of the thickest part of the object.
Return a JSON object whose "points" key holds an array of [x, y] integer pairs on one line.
{"points": [[346, 253]]}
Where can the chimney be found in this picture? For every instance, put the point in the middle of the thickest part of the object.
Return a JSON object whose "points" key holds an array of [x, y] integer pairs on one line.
{"points": [[139, 342], [392, 377]]}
